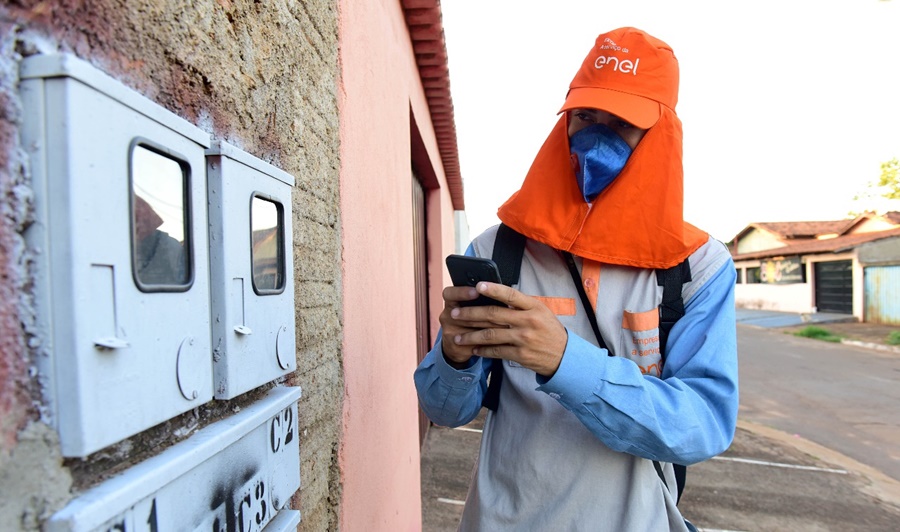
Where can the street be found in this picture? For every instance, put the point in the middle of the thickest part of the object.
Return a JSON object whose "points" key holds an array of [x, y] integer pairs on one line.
{"points": [[816, 443], [843, 397], [815, 447]]}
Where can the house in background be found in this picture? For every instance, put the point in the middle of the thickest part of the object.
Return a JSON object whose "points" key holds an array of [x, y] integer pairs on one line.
{"points": [[844, 266]]}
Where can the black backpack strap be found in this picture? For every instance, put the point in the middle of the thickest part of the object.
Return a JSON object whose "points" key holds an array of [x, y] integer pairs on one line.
{"points": [[672, 307], [680, 478], [671, 310], [509, 248]]}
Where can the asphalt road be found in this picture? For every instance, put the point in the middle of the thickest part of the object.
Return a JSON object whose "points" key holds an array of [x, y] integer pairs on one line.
{"points": [[816, 447], [843, 397]]}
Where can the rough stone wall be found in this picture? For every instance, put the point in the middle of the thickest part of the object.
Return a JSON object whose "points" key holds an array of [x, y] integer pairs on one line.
{"points": [[14, 217], [260, 75]]}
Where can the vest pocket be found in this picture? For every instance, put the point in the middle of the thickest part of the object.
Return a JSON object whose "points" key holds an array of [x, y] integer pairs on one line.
{"points": [[640, 321], [642, 330]]}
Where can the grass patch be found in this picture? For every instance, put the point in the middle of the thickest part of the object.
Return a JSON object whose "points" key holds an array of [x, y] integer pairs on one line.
{"points": [[894, 338], [818, 333]]}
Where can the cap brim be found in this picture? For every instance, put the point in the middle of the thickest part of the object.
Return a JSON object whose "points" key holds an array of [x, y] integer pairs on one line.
{"points": [[639, 111]]}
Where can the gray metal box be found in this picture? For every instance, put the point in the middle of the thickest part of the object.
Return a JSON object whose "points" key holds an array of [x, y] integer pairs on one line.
{"points": [[252, 272], [122, 293]]}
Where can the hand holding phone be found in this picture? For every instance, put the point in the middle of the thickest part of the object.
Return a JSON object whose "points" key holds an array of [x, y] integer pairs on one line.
{"points": [[469, 271]]}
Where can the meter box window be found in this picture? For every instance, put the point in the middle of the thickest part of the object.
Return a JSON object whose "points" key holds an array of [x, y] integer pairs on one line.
{"points": [[122, 244], [236, 474], [267, 252], [252, 285], [160, 219]]}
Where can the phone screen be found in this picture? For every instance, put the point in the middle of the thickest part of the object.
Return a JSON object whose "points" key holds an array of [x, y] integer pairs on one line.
{"points": [[468, 271]]}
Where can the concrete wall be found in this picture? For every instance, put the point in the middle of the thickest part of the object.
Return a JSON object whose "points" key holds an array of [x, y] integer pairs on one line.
{"points": [[886, 251], [379, 455], [260, 75]]}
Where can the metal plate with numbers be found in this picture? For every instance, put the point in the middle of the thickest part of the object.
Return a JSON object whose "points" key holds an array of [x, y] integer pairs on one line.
{"points": [[237, 474]]}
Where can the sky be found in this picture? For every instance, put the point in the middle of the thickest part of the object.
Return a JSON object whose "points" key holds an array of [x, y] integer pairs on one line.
{"points": [[789, 107]]}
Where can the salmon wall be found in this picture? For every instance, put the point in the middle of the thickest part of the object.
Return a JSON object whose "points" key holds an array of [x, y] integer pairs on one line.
{"points": [[380, 92]]}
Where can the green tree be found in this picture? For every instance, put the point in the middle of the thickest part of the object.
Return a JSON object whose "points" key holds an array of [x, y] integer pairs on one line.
{"points": [[889, 181], [884, 192]]}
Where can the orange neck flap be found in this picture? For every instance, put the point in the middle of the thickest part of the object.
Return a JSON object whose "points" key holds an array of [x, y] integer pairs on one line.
{"points": [[637, 221]]}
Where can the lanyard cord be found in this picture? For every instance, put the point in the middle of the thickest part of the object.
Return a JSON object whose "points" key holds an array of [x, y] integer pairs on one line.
{"points": [[592, 314]]}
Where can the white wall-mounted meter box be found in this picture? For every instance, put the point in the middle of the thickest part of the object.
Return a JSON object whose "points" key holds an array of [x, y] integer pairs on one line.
{"points": [[251, 270], [122, 253], [236, 474]]}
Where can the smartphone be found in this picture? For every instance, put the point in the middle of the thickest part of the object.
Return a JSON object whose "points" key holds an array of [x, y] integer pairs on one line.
{"points": [[468, 271]]}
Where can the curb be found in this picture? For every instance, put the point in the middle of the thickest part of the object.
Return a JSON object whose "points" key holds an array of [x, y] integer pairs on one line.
{"points": [[870, 345]]}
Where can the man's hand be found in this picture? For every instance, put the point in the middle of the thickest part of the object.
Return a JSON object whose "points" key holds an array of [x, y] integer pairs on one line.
{"points": [[526, 331], [458, 355]]}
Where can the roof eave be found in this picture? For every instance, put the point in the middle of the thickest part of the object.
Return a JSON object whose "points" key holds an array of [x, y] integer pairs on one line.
{"points": [[426, 29]]}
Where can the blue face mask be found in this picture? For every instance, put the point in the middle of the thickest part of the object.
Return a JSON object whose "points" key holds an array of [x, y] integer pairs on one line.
{"points": [[598, 155]]}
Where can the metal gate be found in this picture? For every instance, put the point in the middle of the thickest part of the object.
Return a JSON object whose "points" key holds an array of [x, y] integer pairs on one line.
{"points": [[834, 286], [882, 294]]}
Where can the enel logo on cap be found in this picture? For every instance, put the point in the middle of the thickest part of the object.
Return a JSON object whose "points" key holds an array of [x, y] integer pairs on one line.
{"points": [[624, 66]]}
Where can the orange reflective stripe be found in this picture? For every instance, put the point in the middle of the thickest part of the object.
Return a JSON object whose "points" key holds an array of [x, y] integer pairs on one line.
{"points": [[640, 321], [561, 306]]}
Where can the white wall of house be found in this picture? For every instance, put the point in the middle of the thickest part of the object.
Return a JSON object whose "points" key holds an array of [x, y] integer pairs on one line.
{"points": [[758, 240], [871, 225], [781, 297]]}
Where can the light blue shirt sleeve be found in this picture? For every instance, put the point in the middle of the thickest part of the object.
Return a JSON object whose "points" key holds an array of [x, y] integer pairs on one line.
{"points": [[686, 416], [448, 396]]}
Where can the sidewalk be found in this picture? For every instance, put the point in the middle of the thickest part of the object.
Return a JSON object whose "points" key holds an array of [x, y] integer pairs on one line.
{"points": [[773, 318], [871, 335]]}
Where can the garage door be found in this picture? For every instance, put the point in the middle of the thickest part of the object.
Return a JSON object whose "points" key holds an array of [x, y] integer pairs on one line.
{"points": [[883, 294], [834, 286]]}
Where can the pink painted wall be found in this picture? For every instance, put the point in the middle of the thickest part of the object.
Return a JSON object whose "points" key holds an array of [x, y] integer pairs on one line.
{"points": [[379, 451]]}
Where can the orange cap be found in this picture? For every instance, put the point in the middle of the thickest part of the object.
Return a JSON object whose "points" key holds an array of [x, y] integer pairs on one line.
{"points": [[628, 73]]}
